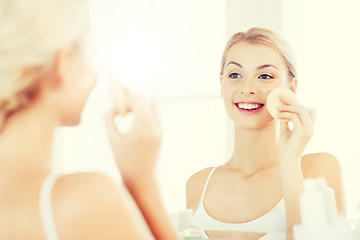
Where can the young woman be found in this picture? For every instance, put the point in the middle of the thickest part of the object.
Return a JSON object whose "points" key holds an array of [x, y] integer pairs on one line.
{"points": [[258, 188], [45, 78]]}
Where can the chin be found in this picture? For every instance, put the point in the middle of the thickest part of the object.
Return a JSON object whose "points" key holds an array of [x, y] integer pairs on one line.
{"points": [[71, 122], [253, 125], [250, 126]]}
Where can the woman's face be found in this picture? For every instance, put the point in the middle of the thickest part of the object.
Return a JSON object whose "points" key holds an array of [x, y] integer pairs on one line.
{"points": [[80, 80], [250, 72]]}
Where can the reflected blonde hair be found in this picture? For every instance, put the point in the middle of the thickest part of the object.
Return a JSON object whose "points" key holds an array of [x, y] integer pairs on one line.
{"points": [[266, 37], [31, 34]]}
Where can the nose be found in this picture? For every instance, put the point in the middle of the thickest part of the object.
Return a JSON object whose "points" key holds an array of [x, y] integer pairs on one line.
{"points": [[248, 88], [248, 92]]}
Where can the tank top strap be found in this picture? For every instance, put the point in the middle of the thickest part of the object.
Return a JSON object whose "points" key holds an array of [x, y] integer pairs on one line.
{"points": [[46, 211], [206, 184]]}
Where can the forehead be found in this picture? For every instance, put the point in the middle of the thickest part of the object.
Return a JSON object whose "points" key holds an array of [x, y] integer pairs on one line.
{"points": [[252, 55]]}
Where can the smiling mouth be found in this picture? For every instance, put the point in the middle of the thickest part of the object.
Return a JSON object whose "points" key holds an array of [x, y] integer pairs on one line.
{"points": [[249, 106]]}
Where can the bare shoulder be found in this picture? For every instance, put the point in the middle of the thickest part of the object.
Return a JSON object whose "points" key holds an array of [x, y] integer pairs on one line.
{"points": [[325, 165], [319, 164], [83, 189], [88, 182], [94, 204], [194, 188]]}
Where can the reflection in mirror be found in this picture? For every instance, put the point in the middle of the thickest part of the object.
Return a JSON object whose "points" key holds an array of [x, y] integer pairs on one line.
{"points": [[181, 74], [258, 188]]}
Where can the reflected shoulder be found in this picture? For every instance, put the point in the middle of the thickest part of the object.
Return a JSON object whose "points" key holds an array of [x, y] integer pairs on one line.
{"points": [[319, 164], [326, 165], [198, 179], [194, 187]]}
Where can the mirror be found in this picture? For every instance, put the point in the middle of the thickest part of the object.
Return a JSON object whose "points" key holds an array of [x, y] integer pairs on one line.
{"points": [[171, 51]]}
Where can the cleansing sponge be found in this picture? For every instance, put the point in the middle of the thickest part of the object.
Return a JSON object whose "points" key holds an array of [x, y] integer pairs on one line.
{"points": [[273, 101]]}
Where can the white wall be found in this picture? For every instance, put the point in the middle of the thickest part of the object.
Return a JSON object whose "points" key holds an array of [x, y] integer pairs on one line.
{"points": [[176, 62], [329, 50], [170, 51]]}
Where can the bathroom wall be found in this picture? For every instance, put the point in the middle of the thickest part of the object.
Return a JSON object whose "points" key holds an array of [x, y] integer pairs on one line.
{"points": [[170, 51], [329, 50]]}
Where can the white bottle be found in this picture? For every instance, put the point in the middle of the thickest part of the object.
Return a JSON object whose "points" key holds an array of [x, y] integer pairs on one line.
{"points": [[312, 207], [330, 201], [319, 220], [354, 222], [187, 230], [185, 218]]}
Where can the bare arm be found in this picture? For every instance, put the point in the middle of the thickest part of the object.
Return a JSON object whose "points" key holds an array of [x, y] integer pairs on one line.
{"points": [[291, 146], [147, 197], [136, 153], [292, 184]]}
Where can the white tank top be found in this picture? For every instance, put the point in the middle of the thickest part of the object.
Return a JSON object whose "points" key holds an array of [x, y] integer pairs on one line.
{"points": [[273, 222], [46, 212]]}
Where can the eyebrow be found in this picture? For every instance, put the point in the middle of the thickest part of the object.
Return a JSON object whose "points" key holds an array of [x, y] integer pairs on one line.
{"points": [[258, 68], [235, 63], [266, 66]]}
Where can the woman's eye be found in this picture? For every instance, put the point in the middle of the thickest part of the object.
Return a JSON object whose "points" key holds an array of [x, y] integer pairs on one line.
{"points": [[265, 76], [235, 75]]}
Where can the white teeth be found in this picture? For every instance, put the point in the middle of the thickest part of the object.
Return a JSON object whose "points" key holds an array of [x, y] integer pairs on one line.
{"points": [[249, 106]]}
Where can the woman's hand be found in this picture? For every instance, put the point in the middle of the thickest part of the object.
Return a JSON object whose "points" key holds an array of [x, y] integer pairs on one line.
{"points": [[291, 146], [292, 143], [137, 150], [136, 155]]}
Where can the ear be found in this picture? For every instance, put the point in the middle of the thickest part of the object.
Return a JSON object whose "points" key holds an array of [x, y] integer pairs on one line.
{"points": [[221, 80], [293, 84], [62, 69]]}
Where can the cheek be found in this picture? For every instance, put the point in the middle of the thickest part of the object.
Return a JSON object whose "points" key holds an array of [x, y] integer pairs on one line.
{"points": [[228, 92], [85, 82], [87, 77], [89, 81], [265, 89]]}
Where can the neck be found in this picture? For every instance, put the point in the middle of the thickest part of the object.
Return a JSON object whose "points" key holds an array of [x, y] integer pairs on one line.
{"points": [[254, 150], [26, 142]]}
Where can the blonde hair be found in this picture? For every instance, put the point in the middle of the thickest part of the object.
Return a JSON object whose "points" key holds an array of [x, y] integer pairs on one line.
{"points": [[265, 37], [31, 34]]}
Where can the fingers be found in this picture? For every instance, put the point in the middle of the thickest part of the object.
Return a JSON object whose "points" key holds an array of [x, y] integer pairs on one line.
{"points": [[288, 100], [110, 124], [296, 109], [293, 117], [154, 113], [125, 100], [145, 117], [297, 114], [144, 112], [284, 128], [312, 114], [118, 95]]}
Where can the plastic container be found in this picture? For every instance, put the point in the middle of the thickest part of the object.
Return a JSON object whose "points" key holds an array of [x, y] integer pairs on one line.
{"points": [[186, 231], [354, 222], [312, 207], [330, 201], [319, 218]]}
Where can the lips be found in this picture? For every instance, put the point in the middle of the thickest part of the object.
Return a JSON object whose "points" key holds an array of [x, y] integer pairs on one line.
{"points": [[249, 106]]}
